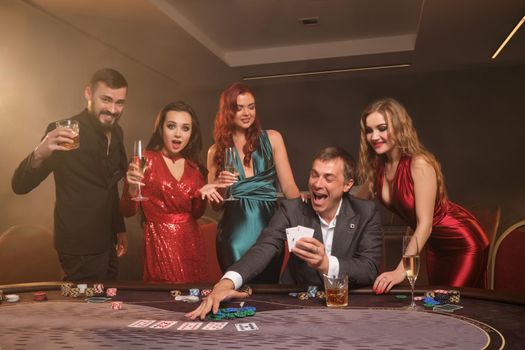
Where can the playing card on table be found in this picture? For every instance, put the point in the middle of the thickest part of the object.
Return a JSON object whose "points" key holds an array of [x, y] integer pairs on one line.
{"points": [[447, 307], [141, 323], [244, 327], [190, 326], [163, 324], [214, 326], [293, 234]]}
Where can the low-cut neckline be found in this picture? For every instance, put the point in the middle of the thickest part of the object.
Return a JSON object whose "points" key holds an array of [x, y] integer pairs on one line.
{"points": [[165, 161]]}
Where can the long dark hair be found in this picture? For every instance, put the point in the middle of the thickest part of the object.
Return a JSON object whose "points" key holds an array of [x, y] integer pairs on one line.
{"points": [[193, 149]]}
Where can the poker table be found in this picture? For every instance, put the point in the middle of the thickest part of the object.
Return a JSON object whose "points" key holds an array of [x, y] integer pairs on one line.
{"points": [[151, 319]]}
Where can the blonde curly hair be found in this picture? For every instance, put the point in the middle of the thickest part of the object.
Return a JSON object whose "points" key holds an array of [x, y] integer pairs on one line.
{"points": [[402, 132]]}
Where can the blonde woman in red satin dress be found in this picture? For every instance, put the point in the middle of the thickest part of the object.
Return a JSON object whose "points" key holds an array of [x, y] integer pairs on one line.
{"points": [[174, 185], [406, 178]]}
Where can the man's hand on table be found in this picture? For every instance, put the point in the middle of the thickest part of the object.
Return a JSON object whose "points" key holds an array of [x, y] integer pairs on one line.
{"points": [[222, 291]]}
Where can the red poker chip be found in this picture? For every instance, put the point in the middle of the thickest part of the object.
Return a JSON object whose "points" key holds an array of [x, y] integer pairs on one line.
{"points": [[39, 296]]}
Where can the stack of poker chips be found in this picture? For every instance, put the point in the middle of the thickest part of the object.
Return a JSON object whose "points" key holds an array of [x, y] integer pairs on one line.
{"points": [[39, 296], [175, 293], [194, 292], [98, 288], [312, 292], [68, 290], [111, 292], [205, 292], [232, 313], [89, 292], [1, 295], [12, 298], [440, 296], [454, 296]]}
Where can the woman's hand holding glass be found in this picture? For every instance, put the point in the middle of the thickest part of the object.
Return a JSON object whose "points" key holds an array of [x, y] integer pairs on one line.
{"points": [[134, 178], [136, 170]]}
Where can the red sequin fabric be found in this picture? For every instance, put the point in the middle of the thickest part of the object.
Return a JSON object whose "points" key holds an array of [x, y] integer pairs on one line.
{"points": [[173, 245]]}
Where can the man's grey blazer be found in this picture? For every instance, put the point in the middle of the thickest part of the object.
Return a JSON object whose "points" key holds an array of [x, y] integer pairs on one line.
{"points": [[357, 243]]}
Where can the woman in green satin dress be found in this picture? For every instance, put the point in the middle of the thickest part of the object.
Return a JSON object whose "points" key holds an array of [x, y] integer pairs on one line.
{"points": [[261, 163]]}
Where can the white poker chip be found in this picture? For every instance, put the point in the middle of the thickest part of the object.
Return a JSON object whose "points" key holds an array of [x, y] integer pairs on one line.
{"points": [[12, 298], [187, 298]]}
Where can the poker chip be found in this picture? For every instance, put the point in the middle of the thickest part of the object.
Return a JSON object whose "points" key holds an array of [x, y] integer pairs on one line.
{"points": [[1, 295], [454, 296], [39, 296], [111, 292], [99, 288], [320, 294], [205, 292], [82, 287], [293, 294], [12, 298], [232, 313], [430, 301], [89, 292], [402, 296], [74, 293], [175, 293], [65, 289], [187, 298], [303, 296], [116, 305], [418, 298], [312, 290], [194, 292]]}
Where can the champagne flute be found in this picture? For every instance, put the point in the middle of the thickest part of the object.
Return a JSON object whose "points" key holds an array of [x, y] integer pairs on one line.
{"points": [[411, 263], [230, 165], [140, 160]]}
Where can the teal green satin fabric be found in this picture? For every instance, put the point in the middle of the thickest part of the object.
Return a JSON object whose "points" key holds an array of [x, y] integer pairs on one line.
{"points": [[243, 220]]}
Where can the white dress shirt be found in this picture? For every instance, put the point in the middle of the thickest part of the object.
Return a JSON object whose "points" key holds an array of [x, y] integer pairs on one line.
{"points": [[327, 230]]}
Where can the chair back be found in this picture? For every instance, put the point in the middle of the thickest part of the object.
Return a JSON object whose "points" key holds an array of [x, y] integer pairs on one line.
{"points": [[508, 260], [208, 229], [488, 217], [27, 254]]}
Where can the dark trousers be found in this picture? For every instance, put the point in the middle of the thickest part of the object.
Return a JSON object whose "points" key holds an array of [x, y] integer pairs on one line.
{"points": [[93, 267]]}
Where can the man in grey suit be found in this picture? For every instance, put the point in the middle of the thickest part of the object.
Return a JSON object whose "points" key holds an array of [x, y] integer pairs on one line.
{"points": [[347, 235]]}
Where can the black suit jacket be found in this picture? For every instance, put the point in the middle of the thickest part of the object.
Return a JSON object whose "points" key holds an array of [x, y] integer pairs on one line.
{"points": [[357, 243], [86, 208]]}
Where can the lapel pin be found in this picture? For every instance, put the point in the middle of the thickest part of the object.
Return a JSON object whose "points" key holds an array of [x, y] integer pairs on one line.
{"points": [[352, 225]]}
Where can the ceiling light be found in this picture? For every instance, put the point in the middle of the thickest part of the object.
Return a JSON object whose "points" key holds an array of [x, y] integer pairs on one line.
{"points": [[508, 37], [331, 71]]}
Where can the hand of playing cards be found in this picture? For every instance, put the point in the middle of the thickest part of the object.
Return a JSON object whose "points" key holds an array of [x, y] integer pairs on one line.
{"points": [[293, 234]]}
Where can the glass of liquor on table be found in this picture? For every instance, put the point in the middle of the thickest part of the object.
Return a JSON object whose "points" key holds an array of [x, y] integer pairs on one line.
{"points": [[336, 288]]}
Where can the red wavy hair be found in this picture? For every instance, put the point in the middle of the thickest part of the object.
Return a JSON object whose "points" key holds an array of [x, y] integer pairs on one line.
{"points": [[225, 126]]}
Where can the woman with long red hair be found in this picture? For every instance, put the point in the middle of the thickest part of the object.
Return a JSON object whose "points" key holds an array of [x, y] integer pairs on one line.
{"points": [[262, 162]]}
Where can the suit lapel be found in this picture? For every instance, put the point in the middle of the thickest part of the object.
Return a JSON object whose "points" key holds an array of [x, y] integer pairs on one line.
{"points": [[345, 228]]}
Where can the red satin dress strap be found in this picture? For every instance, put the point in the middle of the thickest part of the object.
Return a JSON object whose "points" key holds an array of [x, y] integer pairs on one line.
{"points": [[457, 250], [173, 245]]}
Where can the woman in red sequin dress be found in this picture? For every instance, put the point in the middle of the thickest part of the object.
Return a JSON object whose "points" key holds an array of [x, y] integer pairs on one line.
{"points": [[174, 185], [407, 179]]}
